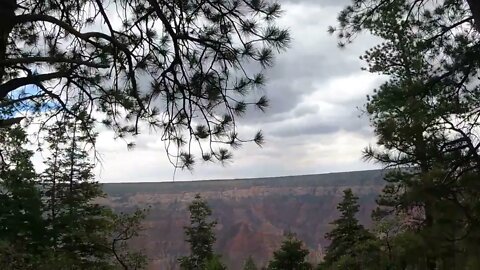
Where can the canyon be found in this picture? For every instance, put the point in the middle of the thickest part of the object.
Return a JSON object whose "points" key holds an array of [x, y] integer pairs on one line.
{"points": [[253, 214]]}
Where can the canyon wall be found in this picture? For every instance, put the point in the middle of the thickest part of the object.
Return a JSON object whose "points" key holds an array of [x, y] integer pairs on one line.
{"points": [[252, 214]]}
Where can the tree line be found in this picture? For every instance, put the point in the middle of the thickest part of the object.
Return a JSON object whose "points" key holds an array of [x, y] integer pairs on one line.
{"points": [[395, 243]]}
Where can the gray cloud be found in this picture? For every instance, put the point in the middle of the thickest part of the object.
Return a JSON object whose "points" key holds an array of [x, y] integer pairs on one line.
{"points": [[312, 62], [323, 3], [313, 124]]}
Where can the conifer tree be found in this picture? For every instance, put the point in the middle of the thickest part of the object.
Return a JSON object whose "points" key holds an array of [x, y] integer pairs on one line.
{"points": [[349, 239], [22, 228], [291, 255], [201, 236], [51, 220], [79, 228], [82, 232], [426, 120]]}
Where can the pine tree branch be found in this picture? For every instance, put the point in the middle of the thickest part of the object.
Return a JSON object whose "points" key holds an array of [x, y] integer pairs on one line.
{"points": [[19, 82], [51, 60]]}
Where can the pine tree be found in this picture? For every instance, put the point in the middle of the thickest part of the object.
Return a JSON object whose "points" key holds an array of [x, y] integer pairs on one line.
{"points": [[22, 233], [50, 221], [82, 232], [425, 117], [201, 236], [79, 228], [291, 255], [348, 237]]}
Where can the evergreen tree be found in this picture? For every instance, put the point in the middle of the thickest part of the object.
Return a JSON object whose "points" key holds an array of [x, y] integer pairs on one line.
{"points": [[82, 232], [291, 255], [22, 228], [201, 236], [347, 231], [426, 119], [50, 221], [79, 228], [349, 239]]}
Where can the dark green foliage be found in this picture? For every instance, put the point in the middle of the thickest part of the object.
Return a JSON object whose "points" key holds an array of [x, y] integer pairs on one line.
{"points": [[22, 228], [426, 120], [50, 220], [201, 236], [409, 250], [347, 232], [352, 246], [178, 66], [291, 255], [78, 229], [214, 263]]}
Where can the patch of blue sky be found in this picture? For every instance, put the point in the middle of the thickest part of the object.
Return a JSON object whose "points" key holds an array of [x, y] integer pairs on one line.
{"points": [[28, 105]]}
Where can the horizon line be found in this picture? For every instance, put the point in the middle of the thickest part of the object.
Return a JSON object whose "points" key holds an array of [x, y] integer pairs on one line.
{"points": [[234, 179]]}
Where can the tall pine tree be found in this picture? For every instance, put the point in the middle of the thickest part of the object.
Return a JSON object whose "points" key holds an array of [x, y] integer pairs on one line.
{"points": [[79, 228], [349, 239], [426, 120], [51, 220], [22, 227], [201, 236]]}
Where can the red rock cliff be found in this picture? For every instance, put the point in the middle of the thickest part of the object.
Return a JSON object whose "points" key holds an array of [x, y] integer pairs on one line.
{"points": [[252, 214]]}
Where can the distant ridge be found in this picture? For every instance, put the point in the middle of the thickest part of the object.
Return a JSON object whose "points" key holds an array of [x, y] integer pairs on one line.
{"points": [[324, 179]]}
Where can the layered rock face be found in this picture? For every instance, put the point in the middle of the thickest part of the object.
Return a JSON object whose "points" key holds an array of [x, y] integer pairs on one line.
{"points": [[253, 214]]}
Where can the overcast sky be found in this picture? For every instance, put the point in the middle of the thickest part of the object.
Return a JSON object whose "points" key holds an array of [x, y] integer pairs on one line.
{"points": [[314, 124]]}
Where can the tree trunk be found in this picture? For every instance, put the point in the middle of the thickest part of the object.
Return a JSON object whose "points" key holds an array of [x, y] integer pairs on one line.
{"points": [[431, 260], [7, 15], [475, 9]]}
